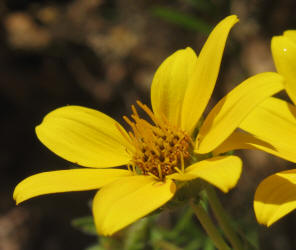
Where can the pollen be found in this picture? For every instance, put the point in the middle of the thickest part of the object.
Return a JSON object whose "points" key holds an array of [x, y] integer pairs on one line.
{"points": [[160, 148]]}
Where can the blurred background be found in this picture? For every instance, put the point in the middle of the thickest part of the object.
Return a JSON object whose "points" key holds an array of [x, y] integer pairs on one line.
{"points": [[103, 54]]}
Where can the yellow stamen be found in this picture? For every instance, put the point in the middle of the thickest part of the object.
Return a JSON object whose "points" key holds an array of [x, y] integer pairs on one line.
{"points": [[159, 171], [148, 111], [129, 167], [179, 171], [134, 168], [154, 176], [182, 163], [160, 149], [122, 132]]}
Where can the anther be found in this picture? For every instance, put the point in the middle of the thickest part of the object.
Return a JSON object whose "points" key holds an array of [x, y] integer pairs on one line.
{"points": [[178, 170], [134, 168], [148, 111], [152, 175], [176, 137], [159, 171], [135, 111], [182, 163], [122, 132], [129, 167]]}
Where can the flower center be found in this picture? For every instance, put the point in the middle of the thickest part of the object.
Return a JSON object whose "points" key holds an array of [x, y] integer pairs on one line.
{"points": [[161, 149]]}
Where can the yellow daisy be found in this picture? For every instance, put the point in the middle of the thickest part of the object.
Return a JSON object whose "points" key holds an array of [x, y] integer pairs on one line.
{"points": [[273, 125], [158, 154]]}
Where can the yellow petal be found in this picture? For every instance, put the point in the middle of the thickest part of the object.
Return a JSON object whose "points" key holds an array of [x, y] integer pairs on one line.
{"points": [[230, 111], [275, 197], [65, 181], [284, 56], [204, 77], [291, 34], [222, 172], [242, 140], [84, 136], [169, 84], [122, 202], [274, 122]]}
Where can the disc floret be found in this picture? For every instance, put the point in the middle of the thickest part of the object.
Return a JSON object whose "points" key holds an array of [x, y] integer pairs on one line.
{"points": [[160, 148]]}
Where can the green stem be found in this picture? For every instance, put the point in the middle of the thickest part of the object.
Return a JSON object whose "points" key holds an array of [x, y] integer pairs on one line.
{"points": [[208, 225], [223, 218]]}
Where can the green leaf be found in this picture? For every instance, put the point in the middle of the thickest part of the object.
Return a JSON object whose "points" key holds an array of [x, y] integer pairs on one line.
{"points": [[183, 20], [137, 235], [85, 224]]}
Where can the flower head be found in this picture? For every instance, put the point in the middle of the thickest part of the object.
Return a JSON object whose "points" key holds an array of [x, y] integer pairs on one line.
{"points": [[170, 147], [160, 149]]}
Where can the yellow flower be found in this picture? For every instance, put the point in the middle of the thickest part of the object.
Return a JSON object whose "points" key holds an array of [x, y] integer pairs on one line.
{"points": [[157, 153], [273, 128]]}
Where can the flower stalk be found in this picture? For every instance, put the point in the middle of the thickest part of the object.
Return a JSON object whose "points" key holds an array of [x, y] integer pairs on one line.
{"points": [[209, 226], [223, 218]]}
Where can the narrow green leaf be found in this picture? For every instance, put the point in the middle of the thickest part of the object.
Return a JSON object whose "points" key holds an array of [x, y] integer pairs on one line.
{"points": [[183, 20]]}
